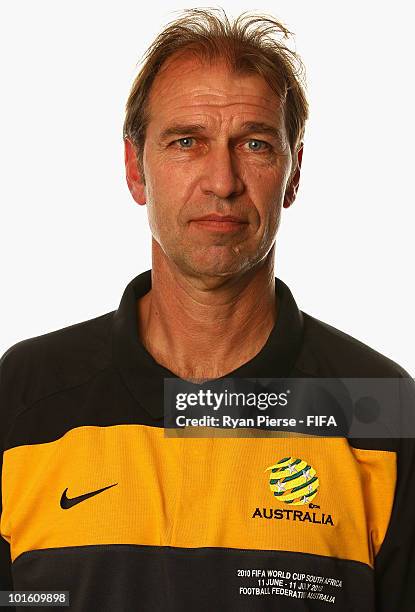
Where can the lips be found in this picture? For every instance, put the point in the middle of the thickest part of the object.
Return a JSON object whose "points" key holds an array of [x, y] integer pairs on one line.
{"points": [[222, 224], [221, 218]]}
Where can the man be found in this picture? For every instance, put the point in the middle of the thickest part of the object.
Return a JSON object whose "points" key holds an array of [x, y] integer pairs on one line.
{"points": [[96, 500]]}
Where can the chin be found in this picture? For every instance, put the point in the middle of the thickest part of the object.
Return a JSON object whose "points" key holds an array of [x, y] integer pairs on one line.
{"points": [[211, 267]]}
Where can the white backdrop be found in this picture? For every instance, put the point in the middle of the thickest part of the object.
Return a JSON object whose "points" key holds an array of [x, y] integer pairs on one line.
{"points": [[72, 237]]}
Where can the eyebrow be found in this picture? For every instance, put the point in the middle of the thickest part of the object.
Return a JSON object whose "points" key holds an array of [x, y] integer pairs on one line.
{"points": [[180, 129], [262, 128]]}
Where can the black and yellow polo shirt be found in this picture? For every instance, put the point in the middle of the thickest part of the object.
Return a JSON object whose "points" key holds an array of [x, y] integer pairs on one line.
{"points": [[98, 502]]}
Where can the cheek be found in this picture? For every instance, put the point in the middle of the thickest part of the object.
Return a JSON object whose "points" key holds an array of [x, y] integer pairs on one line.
{"points": [[266, 190], [164, 196]]}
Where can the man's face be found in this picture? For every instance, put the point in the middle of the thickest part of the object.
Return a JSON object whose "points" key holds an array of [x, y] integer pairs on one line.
{"points": [[216, 146]]}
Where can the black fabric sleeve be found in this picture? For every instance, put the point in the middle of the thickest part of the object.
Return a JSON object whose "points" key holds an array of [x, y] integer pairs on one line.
{"points": [[395, 562], [6, 582], [9, 392]]}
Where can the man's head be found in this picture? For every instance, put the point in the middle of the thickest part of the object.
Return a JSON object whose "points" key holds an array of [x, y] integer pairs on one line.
{"points": [[214, 126]]}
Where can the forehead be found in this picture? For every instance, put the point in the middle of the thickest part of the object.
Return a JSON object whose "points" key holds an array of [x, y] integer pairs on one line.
{"points": [[188, 86]]}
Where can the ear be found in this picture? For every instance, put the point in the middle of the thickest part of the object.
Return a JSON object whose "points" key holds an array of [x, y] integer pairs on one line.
{"points": [[292, 186], [133, 173]]}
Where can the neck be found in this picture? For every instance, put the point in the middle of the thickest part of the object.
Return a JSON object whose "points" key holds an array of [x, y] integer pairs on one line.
{"points": [[201, 330]]}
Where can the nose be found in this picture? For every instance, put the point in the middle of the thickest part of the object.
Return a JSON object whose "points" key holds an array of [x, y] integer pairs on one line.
{"points": [[221, 177]]}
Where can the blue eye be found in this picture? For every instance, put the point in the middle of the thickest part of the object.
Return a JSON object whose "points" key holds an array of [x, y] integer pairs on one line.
{"points": [[185, 142], [256, 145]]}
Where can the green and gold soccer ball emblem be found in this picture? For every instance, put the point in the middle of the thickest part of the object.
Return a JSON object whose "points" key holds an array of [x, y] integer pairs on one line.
{"points": [[293, 481]]}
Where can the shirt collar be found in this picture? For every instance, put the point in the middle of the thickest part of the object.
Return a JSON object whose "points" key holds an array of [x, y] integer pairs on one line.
{"points": [[144, 377]]}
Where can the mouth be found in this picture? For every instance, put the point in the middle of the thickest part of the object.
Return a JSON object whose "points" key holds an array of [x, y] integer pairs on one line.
{"points": [[220, 223]]}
